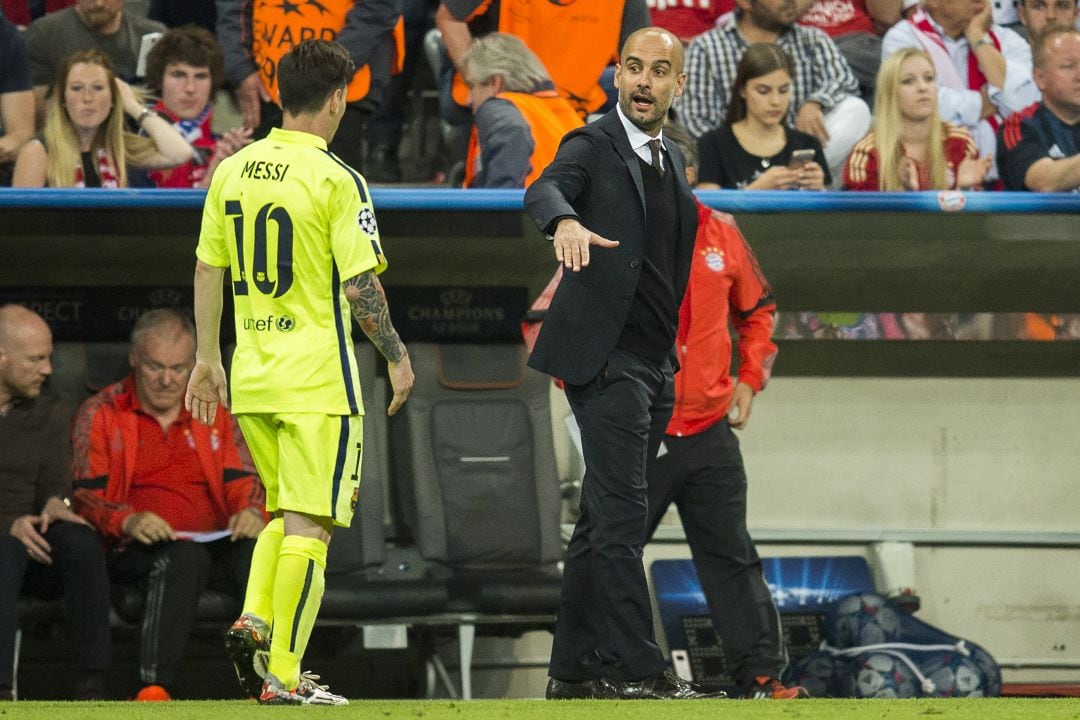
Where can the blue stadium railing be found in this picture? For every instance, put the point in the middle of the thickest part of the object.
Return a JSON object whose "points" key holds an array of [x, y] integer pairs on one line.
{"points": [[727, 200], [830, 251]]}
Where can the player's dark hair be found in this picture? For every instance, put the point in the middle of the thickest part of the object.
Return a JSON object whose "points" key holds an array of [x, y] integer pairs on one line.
{"points": [[188, 44], [310, 73]]}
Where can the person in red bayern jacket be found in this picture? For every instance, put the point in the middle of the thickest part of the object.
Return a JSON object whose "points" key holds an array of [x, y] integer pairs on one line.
{"points": [[172, 497], [699, 466]]}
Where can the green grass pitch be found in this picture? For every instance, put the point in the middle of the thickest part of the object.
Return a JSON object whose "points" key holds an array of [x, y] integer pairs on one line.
{"points": [[967, 709]]}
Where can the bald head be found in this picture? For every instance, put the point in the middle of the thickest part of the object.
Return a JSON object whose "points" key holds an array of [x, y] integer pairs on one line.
{"points": [[1057, 72], [25, 349], [16, 322], [661, 36], [1051, 43]]}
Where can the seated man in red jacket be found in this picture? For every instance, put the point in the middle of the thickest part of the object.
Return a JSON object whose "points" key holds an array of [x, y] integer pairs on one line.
{"points": [[157, 485]]}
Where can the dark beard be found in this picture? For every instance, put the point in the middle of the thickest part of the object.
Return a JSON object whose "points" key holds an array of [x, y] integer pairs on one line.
{"points": [[96, 19], [765, 21]]}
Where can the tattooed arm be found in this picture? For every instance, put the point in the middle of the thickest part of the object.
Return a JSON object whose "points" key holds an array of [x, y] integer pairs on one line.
{"points": [[368, 303]]}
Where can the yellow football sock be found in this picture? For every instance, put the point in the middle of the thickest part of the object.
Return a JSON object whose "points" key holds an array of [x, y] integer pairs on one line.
{"points": [[298, 591], [259, 596]]}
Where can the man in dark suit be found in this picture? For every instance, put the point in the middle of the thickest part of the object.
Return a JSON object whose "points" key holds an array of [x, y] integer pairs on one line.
{"points": [[621, 216]]}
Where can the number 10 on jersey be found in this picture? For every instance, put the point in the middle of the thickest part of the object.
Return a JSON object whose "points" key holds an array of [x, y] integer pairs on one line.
{"points": [[261, 250]]}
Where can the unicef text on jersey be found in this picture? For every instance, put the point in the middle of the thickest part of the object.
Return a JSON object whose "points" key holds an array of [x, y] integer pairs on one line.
{"points": [[283, 323]]}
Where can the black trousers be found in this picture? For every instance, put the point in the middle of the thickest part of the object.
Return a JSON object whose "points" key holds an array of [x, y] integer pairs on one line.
{"points": [[604, 626], [77, 574], [704, 476], [173, 575]]}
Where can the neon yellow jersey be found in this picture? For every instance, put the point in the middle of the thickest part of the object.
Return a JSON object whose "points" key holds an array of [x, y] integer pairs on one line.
{"points": [[292, 222]]}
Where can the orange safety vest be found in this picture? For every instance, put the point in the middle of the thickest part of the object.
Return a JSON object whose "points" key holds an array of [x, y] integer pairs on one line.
{"points": [[549, 118], [575, 39], [278, 26], [1040, 326]]}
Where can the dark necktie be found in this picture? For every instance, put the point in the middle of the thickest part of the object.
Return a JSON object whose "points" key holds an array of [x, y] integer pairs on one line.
{"points": [[654, 148]]}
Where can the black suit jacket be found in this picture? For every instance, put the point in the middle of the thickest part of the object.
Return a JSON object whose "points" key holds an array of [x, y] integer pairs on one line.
{"points": [[596, 178]]}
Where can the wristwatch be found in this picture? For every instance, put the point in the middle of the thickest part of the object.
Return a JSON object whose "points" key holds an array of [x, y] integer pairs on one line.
{"points": [[984, 40]]}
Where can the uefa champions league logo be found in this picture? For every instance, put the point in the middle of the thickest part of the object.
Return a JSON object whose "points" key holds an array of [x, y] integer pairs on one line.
{"points": [[366, 221]]}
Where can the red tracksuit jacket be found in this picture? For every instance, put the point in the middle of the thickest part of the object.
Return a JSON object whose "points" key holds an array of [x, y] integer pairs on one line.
{"points": [[725, 282]]}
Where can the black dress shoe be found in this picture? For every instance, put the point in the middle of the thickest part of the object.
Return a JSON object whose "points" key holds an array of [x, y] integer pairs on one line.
{"points": [[584, 690], [663, 686]]}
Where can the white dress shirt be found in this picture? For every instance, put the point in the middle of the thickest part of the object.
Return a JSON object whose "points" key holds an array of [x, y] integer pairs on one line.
{"points": [[639, 139]]}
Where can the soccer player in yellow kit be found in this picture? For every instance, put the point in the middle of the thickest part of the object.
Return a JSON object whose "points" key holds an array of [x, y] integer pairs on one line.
{"points": [[295, 228]]}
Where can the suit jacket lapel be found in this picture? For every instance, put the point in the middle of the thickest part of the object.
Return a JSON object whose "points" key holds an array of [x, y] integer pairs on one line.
{"points": [[612, 125]]}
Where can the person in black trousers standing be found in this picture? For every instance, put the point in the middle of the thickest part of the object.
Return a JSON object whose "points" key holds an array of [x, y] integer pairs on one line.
{"points": [[617, 207]]}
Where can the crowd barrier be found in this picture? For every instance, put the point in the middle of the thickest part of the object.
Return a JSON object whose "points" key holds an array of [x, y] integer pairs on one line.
{"points": [[464, 264]]}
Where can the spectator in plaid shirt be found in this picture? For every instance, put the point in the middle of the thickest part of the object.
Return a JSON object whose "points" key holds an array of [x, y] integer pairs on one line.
{"points": [[825, 101]]}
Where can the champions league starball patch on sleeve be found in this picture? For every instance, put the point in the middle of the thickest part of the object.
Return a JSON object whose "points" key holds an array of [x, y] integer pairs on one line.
{"points": [[366, 220]]}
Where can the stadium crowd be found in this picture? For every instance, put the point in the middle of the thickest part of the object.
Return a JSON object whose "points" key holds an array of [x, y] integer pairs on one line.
{"points": [[990, 101]]}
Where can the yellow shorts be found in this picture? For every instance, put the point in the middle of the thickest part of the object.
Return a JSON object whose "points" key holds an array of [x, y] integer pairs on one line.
{"points": [[309, 463]]}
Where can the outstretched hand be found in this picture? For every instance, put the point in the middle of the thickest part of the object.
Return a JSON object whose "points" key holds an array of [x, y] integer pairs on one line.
{"points": [[207, 388], [572, 241]]}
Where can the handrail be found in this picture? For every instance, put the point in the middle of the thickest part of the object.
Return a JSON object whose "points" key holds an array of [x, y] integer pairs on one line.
{"points": [[441, 199]]}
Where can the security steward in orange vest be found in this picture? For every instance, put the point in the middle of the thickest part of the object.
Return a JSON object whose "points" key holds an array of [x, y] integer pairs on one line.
{"points": [[520, 118], [574, 39], [256, 34]]}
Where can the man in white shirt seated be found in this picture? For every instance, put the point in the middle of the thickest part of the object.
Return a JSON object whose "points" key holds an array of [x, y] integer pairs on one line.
{"points": [[983, 69]]}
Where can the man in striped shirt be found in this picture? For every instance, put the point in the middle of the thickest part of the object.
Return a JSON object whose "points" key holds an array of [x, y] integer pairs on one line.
{"points": [[825, 101]]}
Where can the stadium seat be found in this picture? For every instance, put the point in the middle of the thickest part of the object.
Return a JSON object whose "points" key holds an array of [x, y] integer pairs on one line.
{"points": [[477, 486], [68, 381], [364, 579], [106, 363], [32, 611]]}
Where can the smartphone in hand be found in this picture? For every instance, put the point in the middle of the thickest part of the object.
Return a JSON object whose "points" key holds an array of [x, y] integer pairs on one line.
{"points": [[799, 158]]}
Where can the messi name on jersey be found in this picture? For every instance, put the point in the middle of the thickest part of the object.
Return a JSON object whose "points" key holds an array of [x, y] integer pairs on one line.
{"points": [[262, 170]]}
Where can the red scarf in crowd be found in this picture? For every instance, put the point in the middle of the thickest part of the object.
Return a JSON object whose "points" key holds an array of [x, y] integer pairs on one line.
{"points": [[198, 134], [106, 171], [975, 78]]}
